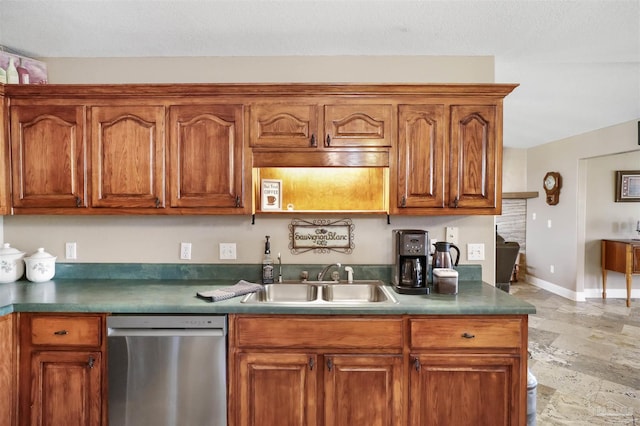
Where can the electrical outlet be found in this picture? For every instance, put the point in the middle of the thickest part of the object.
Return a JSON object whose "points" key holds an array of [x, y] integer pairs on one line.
{"points": [[552, 269], [185, 251], [70, 251], [228, 251], [451, 234], [475, 251]]}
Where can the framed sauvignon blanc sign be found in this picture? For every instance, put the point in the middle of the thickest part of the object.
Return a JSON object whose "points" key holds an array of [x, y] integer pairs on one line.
{"points": [[321, 236]]}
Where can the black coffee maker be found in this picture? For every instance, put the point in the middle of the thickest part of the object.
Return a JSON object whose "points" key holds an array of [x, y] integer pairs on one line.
{"points": [[410, 258]]}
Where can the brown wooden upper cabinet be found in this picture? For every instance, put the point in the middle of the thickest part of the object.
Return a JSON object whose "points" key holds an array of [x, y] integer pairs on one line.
{"points": [[48, 153], [284, 125], [206, 156], [128, 148], [449, 159]]}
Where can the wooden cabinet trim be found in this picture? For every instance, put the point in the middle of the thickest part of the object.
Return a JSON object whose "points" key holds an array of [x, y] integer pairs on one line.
{"points": [[84, 331], [464, 333]]}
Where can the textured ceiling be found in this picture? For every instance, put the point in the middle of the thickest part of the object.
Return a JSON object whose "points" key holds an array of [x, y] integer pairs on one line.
{"points": [[577, 62]]}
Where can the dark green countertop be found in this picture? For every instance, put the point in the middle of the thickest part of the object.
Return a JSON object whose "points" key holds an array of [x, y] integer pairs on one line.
{"points": [[168, 296]]}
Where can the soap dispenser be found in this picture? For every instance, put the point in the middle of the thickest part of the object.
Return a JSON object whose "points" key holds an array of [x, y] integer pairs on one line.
{"points": [[267, 263]]}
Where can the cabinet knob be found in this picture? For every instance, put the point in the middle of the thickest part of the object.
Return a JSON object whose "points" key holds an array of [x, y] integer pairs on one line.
{"points": [[61, 332], [416, 364], [313, 142]]}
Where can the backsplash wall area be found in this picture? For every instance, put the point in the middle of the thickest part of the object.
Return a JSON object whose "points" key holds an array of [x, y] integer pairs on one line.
{"points": [[156, 239]]}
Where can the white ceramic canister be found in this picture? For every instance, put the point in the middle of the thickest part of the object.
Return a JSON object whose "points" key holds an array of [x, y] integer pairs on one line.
{"points": [[11, 264], [41, 266]]}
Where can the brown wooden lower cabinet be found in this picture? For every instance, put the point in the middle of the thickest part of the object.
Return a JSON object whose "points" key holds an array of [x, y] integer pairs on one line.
{"points": [[7, 369], [322, 370], [61, 370]]}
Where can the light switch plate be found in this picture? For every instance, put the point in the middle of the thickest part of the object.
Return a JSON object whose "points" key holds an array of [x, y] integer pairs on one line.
{"points": [[228, 251], [475, 251], [451, 234]]}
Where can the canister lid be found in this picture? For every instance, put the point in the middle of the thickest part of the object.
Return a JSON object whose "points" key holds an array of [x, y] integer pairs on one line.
{"points": [[445, 272], [7, 250], [40, 254]]}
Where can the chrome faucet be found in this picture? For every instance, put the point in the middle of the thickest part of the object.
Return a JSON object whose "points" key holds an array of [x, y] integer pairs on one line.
{"points": [[325, 269]]}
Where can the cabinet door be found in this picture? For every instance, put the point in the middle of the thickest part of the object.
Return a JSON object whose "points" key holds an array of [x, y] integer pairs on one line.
{"points": [[206, 152], [363, 390], [66, 388], [421, 156], [277, 389], [127, 160], [48, 156], [358, 125], [464, 390], [8, 370], [284, 125], [474, 156]]}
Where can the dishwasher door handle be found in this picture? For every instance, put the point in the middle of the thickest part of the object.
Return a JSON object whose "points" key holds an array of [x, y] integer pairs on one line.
{"points": [[165, 332]]}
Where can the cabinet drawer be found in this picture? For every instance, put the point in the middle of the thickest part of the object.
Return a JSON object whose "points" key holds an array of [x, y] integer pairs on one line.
{"points": [[466, 333], [66, 331], [314, 333]]}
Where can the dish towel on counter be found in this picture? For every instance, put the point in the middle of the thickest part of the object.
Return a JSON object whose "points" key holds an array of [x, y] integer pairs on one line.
{"points": [[238, 289]]}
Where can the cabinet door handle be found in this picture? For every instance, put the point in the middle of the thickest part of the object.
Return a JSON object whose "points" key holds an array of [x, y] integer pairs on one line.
{"points": [[330, 364], [61, 332], [328, 140], [468, 335], [416, 364], [311, 363], [313, 142], [91, 362]]}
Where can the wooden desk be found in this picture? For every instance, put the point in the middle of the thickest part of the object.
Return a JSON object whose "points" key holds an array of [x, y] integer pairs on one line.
{"points": [[620, 256]]}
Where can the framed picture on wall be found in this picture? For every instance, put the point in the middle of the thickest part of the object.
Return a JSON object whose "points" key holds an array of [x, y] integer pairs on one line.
{"points": [[271, 194], [628, 185]]}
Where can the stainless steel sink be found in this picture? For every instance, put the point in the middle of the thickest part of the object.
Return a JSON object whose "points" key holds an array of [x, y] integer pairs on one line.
{"points": [[355, 293], [323, 293]]}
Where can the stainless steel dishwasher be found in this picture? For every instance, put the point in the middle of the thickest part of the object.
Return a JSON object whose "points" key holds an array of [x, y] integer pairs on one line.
{"points": [[167, 370]]}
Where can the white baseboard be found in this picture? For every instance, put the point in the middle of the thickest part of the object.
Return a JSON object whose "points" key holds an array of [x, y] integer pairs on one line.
{"points": [[581, 296]]}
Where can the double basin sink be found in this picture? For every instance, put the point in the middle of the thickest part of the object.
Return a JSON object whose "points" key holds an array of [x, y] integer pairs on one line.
{"points": [[324, 293]]}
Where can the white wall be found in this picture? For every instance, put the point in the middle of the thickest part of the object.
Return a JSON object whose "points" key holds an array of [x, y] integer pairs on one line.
{"points": [[565, 243], [514, 170], [156, 239]]}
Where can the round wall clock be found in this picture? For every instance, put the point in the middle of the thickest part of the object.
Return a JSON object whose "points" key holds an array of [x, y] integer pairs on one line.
{"points": [[552, 183]]}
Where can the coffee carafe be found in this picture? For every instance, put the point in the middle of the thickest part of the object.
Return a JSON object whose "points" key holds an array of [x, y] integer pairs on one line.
{"points": [[442, 256], [410, 260]]}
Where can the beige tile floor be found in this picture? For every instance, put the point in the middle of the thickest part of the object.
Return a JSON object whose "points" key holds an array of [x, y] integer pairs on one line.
{"points": [[586, 358]]}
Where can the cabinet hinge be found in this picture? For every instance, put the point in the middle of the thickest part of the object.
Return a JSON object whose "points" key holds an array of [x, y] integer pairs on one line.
{"points": [[329, 364], [313, 142], [237, 201], [311, 363]]}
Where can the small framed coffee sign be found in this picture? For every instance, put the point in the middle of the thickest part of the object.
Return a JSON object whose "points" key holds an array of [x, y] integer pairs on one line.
{"points": [[271, 194]]}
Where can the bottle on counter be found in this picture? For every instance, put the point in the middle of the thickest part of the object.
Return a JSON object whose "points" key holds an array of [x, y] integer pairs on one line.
{"points": [[3, 76], [267, 264], [12, 73]]}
